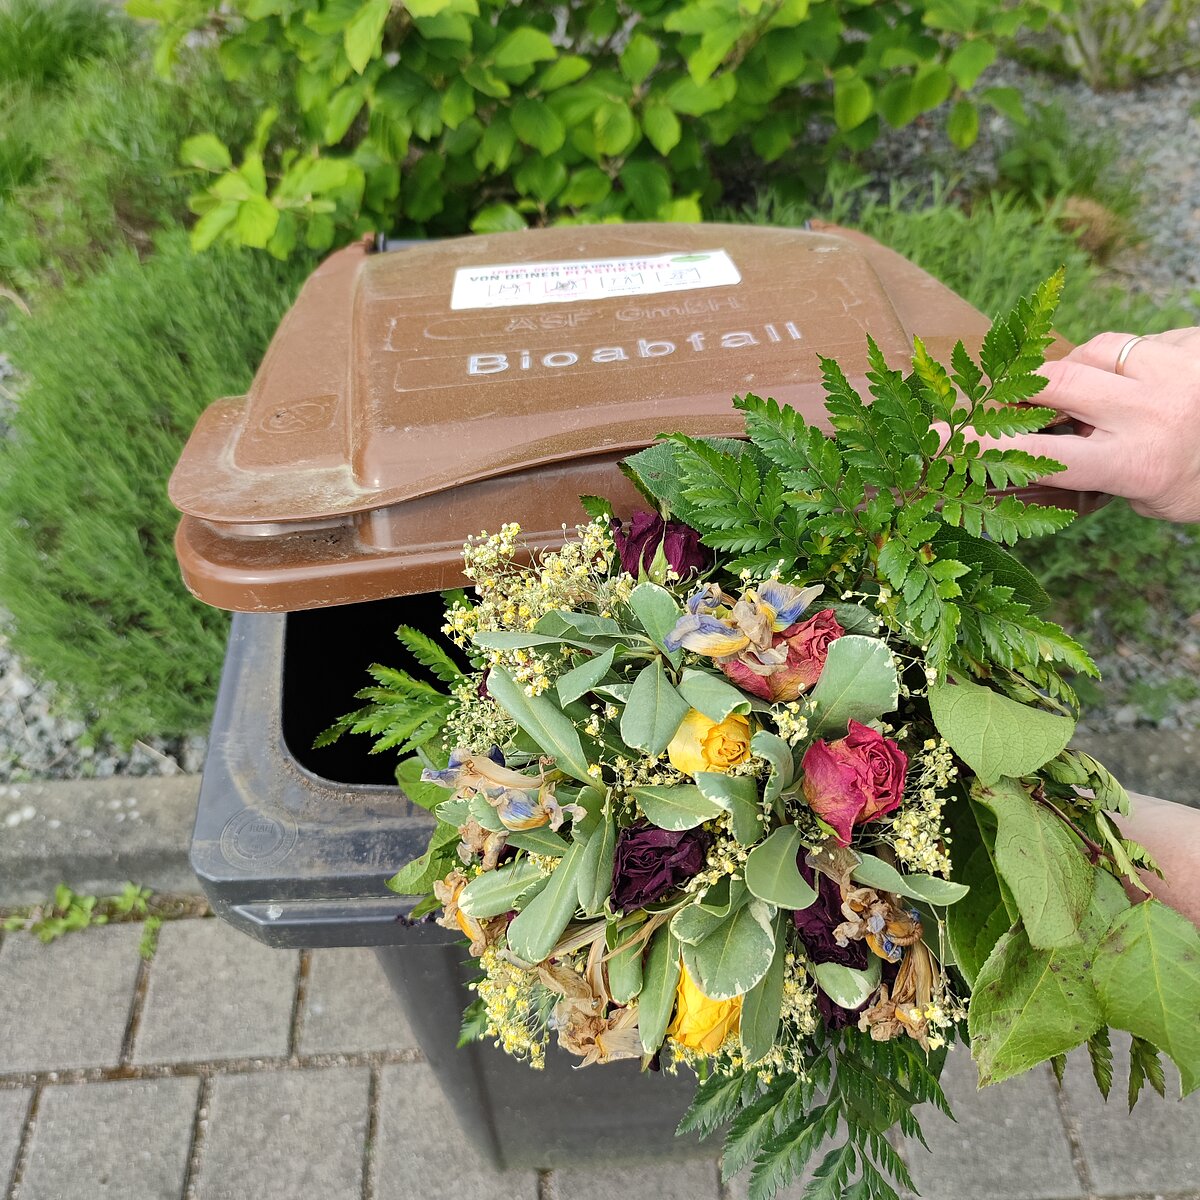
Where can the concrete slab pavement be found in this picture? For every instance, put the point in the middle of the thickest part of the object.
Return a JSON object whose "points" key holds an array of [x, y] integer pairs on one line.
{"points": [[131, 1079]]}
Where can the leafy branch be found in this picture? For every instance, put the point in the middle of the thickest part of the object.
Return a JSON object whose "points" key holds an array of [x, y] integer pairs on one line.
{"points": [[887, 496]]}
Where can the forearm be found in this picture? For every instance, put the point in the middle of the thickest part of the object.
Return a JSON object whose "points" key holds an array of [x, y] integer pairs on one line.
{"points": [[1171, 832]]}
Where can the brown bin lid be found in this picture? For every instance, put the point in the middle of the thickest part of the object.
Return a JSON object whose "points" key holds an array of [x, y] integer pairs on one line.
{"points": [[412, 398]]}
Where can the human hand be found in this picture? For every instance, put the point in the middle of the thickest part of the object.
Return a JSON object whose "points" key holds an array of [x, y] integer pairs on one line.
{"points": [[1138, 428]]}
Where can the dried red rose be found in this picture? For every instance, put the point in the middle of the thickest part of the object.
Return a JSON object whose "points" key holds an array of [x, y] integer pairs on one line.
{"points": [[807, 647], [650, 862], [855, 779]]}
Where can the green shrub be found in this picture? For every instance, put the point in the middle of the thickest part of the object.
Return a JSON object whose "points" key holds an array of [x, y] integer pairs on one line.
{"points": [[116, 370], [91, 165], [432, 116], [40, 40]]}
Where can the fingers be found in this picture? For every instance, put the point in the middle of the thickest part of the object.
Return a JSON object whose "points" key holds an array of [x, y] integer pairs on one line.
{"points": [[1087, 392], [1088, 461], [1155, 359]]}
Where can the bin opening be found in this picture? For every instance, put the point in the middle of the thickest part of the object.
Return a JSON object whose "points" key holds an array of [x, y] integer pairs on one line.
{"points": [[319, 682]]}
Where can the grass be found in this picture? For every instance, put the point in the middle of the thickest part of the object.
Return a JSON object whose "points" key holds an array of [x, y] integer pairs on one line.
{"points": [[117, 370], [91, 164], [42, 40]]}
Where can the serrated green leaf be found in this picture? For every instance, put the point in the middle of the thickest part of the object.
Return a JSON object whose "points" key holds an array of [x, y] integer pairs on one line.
{"points": [[993, 735], [537, 125], [675, 807], [1147, 975], [772, 873], [977, 923], [858, 682], [1029, 1004], [1041, 863]]}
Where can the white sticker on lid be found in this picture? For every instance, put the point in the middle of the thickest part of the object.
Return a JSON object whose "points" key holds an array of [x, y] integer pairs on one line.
{"points": [[511, 284]]}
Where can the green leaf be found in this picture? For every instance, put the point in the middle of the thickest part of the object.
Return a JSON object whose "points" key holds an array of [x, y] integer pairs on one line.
{"points": [[653, 712], [847, 986], [712, 695], [418, 877], [977, 922], [495, 892], [523, 47], [427, 8], [969, 61], [1041, 863], [256, 221], [535, 930], [763, 1004], [425, 795], [542, 841], [853, 102], [736, 955], [615, 128], [662, 128], [854, 618], [783, 763], [498, 218], [658, 613], [993, 735], [206, 152], [579, 681], [772, 874], [858, 682], [563, 71], [596, 869], [738, 796], [682, 806], [1029, 1004], [538, 125], [625, 972], [1147, 974], [639, 58], [364, 34], [962, 126], [660, 979], [874, 872], [543, 721]]}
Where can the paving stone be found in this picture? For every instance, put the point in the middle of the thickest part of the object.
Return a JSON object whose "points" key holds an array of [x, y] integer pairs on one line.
{"points": [[115, 1140], [694, 1180], [14, 1106], [280, 1135], [350, 1006], [420, 1152], [1154, 1149], [215, 993], [1008, 1143], [66, 1004]]}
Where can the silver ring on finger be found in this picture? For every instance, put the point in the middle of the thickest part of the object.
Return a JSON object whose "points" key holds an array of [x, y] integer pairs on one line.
{"points": [[1123, 353]]}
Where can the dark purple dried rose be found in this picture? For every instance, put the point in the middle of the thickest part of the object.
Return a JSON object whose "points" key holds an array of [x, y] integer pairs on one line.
{"points": [[647, 531], [816, 923], [650, 862]]}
